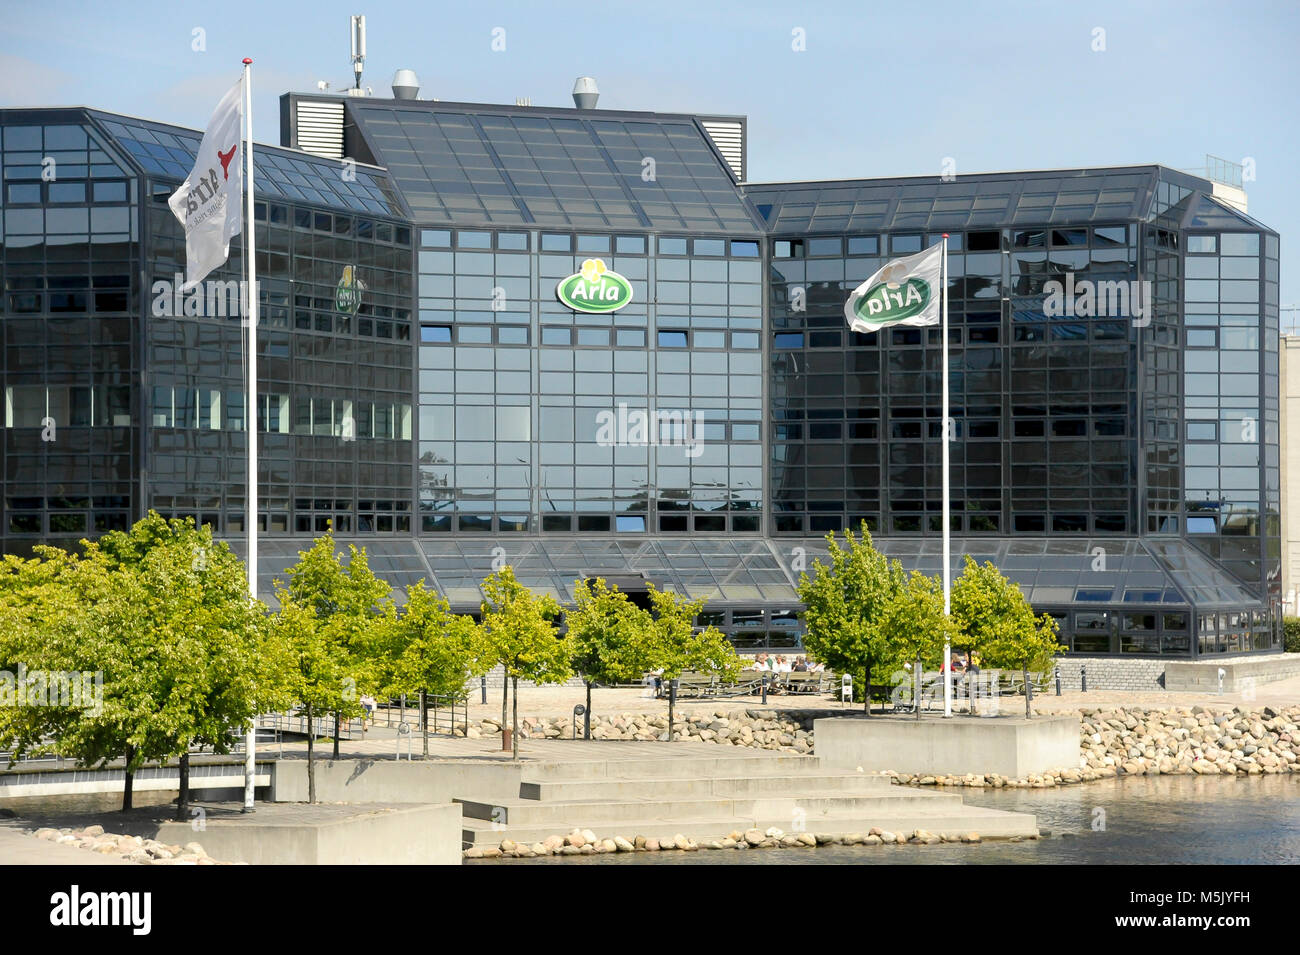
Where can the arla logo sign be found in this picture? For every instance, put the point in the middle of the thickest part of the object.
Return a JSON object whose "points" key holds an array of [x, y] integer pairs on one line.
{"points": [[594, 289], [886, 303], [347, 295]]}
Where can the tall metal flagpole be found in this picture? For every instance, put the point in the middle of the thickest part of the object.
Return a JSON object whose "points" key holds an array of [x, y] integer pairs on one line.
{"points": [[947, 558], [250, 421]]}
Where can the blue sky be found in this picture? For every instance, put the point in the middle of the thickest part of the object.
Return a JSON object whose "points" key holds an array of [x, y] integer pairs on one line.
{"points": [[880, 89]]}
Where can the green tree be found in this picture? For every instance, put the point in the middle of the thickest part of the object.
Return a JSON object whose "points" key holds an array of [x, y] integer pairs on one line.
{"points": [[521, 636], [353, 609], [435, 651], [994, 618], [212, 675], [317, 676], [845, 601], [914, 625], [612, 639], [678, 645], [52, 620], [161, 612]]}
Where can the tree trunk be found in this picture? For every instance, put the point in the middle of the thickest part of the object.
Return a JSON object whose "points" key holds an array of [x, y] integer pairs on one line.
{"points": [[672, 698], [586, 716], [514, 719], [505, 696], [311, 758], [128, 779], [866, 693], [424, 720], [1029, 693], [183, 797], [337, 720], [917, 682]]}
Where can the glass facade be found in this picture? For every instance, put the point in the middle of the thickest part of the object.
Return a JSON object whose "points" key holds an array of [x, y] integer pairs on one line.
{"points": [[424, 391]]}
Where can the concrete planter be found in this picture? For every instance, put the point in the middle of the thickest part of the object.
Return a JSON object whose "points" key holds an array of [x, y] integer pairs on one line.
{"points": [[1009, 746]]}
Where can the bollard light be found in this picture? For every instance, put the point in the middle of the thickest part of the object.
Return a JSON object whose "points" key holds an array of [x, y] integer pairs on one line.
{"points": [[1058, 681], [1083, 679]]}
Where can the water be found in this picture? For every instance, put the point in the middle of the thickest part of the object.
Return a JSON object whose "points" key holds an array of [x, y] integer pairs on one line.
{"points": [[1168, 820]]}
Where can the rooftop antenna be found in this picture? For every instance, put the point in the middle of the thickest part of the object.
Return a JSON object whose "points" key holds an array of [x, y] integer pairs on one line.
{"points": [[358, 47]]}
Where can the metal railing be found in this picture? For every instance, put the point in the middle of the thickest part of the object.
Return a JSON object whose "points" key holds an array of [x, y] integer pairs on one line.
{"points": [[1224, 170], [321, 726], [440, 710]]}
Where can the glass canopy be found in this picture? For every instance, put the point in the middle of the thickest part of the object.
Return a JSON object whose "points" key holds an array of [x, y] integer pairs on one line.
{"points": [[1050, 573]]}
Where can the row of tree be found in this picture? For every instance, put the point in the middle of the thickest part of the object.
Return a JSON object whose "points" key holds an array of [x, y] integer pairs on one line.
{"points": [[867, 617], [162, 612]]}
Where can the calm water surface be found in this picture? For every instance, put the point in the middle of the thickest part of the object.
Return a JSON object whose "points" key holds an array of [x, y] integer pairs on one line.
{"points": [[1175, 820]]}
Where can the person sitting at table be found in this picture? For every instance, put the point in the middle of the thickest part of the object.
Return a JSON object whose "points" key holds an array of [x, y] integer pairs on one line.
{"points": [[800, 665]]}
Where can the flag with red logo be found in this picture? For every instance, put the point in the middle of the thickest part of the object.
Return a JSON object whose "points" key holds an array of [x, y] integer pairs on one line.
{"points": [[208, 203]]}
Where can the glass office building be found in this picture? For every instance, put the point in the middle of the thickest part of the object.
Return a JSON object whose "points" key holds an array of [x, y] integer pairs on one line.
{"points": [[425, 392]]}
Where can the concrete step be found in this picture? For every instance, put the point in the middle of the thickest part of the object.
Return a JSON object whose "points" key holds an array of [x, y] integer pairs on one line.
{"points": [[989, 823], [690, 767], [616, 789], [785, 805]]}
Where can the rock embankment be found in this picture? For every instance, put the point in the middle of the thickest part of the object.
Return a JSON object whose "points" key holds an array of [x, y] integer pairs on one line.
{"points": [[585, 842], [131, 848], [751, 728], [1156, 741], [1113, 741]]}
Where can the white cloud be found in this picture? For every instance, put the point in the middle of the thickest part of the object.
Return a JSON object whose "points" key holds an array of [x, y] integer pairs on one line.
{"points": [[24, 82]]}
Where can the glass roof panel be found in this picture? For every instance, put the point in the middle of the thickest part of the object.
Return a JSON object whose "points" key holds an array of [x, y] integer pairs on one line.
{"points": [[1050, 197], [558, 170], [168, 152]]}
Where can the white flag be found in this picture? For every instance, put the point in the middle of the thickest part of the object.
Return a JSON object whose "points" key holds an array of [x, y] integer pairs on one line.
{"points": [[208, 203], [902, 292]]}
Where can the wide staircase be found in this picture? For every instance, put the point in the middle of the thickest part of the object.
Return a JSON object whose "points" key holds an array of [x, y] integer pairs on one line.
{"points": [[708, 797]]}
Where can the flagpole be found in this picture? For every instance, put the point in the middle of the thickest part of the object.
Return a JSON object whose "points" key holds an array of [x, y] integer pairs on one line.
{"points": [[250, 511], [947, 558]]}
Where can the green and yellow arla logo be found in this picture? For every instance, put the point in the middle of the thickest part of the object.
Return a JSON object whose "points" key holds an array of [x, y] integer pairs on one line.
{"points": [[347, 295], [594, 289], [886, 302]]}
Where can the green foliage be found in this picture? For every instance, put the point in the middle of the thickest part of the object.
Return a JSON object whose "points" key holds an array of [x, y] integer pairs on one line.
{"points": [[678, 646], [1291, 634], [316, 676], [351, 614], [996, 620], [612, 639], [162, 612], [519, 627], [846, 602], [434, 649], [913, 622]]}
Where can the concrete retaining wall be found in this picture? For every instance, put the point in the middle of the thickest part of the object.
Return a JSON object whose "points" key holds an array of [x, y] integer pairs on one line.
{"points": [[1111, 673], [1145, 675], [416, 835], [1013, 747], [1240, 674], [387, 780]]}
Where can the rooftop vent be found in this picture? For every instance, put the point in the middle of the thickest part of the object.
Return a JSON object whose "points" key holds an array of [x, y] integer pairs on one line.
{"points": [[405, 84], [585, 93]]}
